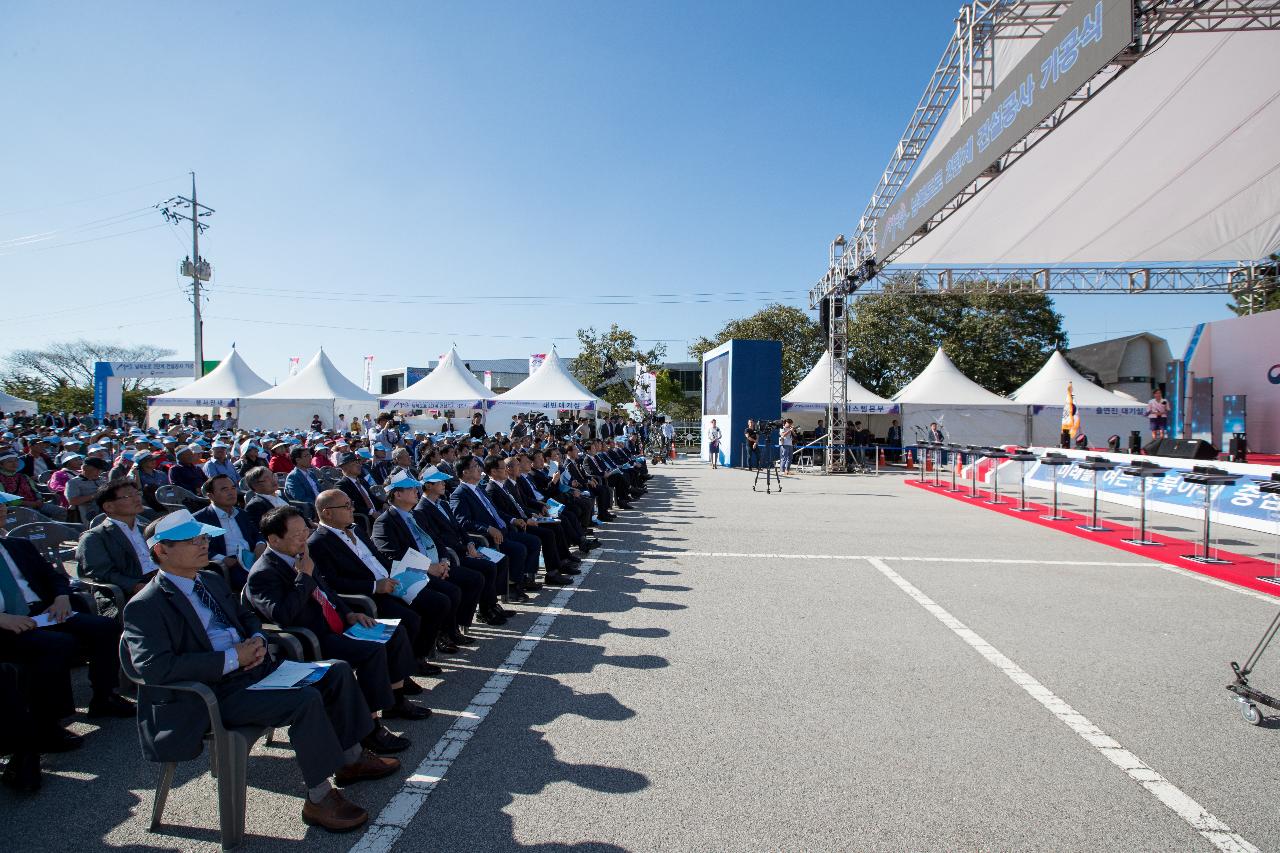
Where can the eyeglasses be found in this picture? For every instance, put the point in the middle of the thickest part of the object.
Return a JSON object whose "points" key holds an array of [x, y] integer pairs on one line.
{"points": [[347, 505], [202, 539]]}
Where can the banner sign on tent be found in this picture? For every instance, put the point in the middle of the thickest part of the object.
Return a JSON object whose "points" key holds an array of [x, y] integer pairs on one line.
{"points": [[852, 408], [554, 405], [1087, 36], [1085, 411], [431, 404], [368, 373], [1240, 505], [535, 361]]}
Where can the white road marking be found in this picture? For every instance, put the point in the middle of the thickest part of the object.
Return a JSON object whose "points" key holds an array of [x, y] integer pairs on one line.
{"points": [[385, 829], [1214, 830], [1148, 564], [643, 553]]}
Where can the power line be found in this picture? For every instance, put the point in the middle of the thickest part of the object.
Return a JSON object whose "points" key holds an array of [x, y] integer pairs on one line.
{"points": [[80, 242], [274, 322], [493, 297], [90, 198], [105, 222], [516, 300]]}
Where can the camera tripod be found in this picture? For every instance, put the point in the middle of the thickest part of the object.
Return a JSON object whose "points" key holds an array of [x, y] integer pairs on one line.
{"points": [[769, 468]]}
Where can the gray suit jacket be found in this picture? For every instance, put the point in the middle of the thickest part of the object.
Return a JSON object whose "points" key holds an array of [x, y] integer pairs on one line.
{"points": [[105, 555], [167, 643]]}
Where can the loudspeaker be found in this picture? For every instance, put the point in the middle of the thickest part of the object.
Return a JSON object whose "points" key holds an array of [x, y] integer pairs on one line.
{"points": [[1193, 448], [1181, 448], [1135, 441], [1156, 446]]}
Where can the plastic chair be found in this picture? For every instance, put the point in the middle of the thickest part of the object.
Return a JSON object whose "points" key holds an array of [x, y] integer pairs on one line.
{"points": [[228, 758], [302, 642], [43, 478], [361, 604], [174, 497], [48, 537]]}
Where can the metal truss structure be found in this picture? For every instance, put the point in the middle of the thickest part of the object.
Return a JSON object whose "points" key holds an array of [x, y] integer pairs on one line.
{"points": [[1226, 279], [964, 77]]}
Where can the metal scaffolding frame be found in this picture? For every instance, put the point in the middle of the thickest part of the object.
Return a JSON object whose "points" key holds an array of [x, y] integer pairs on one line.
{"points": [[1229, 279], [966, 72]]}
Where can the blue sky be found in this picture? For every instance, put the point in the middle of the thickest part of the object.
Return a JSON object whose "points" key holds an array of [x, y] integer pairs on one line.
{"points": [[393, 178]]}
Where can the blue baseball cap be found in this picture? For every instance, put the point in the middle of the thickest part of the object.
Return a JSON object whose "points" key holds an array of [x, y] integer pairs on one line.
{"points": [[434, 475], [180, 526], [404, 482]]}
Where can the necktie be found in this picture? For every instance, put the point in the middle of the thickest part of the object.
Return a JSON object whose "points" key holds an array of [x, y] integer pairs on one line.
{"points": [[514, 492], [330, 612], [218, 618], [489, 506], [368, 502], [425, 545], [14, 603]]}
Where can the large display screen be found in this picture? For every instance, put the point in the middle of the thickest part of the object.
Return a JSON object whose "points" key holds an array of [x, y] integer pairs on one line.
{"points": [[715, 385]]}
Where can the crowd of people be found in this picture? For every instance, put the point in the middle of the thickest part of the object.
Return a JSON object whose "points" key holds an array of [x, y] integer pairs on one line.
{"points": [[198, 541]]}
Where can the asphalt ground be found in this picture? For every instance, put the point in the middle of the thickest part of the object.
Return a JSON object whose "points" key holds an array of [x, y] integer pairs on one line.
{"points": [[735, 673]]}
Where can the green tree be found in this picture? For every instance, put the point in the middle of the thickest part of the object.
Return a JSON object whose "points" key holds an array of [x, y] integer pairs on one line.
{"points": [[1265, 297], [603, 353], [671, 399], [60, 377], [997, 340], [802, 338]]}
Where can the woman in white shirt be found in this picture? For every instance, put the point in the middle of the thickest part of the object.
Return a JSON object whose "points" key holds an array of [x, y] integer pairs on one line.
{"points": [[713, 444]]}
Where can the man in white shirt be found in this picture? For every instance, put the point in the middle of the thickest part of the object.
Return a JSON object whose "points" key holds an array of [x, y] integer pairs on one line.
{"points": [[242, 543]]}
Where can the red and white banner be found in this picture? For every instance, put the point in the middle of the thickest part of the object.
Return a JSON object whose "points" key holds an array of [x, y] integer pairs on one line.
{"points": [[535, 361], [368, 372], [293, 365]]}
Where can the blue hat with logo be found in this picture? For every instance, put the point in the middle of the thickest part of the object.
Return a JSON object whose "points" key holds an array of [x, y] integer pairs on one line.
{"points": [[180, 526], [404, 481]]}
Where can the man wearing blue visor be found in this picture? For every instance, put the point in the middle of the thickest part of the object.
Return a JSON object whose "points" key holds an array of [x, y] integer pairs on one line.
{"points": [[187, 626]]}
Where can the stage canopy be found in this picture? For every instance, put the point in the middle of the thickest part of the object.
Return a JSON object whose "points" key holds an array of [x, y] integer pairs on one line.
{"points": [[219, 389], [550, 387], [966, 412], [10, 404], [1102, 412], [812, 393], [317, 389], [1176, 160], [449, 386]]}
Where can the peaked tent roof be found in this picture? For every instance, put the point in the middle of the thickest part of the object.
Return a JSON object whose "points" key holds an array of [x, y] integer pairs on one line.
{"points": [[449, 386], [10, 403], [223, 386], [1049, 388], [319, 380], [942, 384], [551, 386], [813, 392]]}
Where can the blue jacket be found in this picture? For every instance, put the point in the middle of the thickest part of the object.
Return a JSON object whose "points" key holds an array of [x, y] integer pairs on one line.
{"points": [[299, 487]]}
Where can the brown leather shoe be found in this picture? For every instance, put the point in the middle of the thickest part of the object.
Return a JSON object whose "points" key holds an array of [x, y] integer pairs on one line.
{"points": [[367, 766], [335, 813]]}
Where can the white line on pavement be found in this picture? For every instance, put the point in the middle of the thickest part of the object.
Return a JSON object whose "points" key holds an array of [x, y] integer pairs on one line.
{"points": [[400, 810], [1214, 830], [1150, 564], [987, 560]]}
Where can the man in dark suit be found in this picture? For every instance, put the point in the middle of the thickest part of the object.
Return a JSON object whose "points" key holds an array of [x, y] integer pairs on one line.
{"points": [[398, 530], [475, 513], [264, 494], [515, 517], [242, 534], [284, 589], [582, 477], [527, 499], [532, 496], [115, 551], [187, 626], [18, 734], [353, 485], [351, 564], [598, 468], [434, 514], [30, 587]]}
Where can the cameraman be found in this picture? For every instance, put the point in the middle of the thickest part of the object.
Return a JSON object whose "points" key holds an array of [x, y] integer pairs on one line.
{"points": [[753, 445], [786, 442]]}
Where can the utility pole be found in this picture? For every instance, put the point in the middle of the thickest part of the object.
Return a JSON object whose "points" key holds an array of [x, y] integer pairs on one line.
{"points": [[194, 266]]}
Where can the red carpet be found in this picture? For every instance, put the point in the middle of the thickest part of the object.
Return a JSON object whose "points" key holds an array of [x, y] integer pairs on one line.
{"points": [[1243, 571]]}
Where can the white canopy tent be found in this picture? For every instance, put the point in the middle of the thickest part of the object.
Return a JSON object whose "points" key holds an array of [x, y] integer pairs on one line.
{"points": [[1181, 165], [807, 403], [217, 391], [966, 412], [10, 404], [551, 388], [1102, 412], [319, 388], [449, 386]]}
